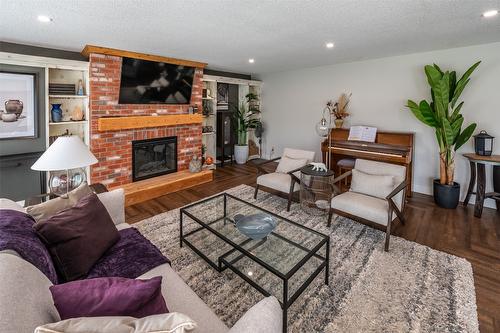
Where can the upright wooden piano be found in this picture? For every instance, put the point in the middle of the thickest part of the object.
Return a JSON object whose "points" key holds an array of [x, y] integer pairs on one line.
{"points": [[389, 147]]}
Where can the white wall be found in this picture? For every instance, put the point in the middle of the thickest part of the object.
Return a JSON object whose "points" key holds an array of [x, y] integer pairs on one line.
{"points": [[293, 102]]}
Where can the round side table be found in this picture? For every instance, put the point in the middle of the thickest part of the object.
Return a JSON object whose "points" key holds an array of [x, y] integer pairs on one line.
{"points": [[316, 190]]}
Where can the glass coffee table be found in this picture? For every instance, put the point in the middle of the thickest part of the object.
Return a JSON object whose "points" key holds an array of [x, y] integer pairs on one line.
{"points": [[282, 264]]}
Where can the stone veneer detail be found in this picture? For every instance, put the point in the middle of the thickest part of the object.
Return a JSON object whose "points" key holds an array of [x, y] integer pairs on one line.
{"points": [[113, 149]]}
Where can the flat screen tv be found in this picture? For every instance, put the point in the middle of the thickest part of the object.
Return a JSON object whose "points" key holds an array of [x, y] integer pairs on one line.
{"points": [[150, 82]]}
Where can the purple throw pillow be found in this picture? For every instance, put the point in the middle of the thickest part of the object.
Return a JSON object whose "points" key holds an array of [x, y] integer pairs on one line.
{"points": [[16, 233], [113, 296], [132, 256], [78, 236]]}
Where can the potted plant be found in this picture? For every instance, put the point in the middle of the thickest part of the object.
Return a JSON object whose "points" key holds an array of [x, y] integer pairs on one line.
{"points": [[443, 114], [243, 120]]}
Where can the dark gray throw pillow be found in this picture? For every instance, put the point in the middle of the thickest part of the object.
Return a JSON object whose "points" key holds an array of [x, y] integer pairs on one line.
{"points": [[78, 236]]}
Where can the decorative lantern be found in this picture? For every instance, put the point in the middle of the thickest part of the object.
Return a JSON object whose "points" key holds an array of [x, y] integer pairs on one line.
{"points": [[322, 128], [483, 143]]}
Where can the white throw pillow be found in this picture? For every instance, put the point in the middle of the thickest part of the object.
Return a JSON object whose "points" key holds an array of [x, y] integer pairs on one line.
{"points": [[264, 317], [288, 164], [9, 204], [173, 322], [114, 201], [379, 186]]}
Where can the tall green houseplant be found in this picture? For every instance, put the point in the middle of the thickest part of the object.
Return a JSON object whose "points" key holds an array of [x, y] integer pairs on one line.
{"points": [[243, 119], [443, 114]]}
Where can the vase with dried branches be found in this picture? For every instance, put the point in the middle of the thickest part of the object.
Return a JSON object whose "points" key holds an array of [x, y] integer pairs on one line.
{"points": [[339, 109]]}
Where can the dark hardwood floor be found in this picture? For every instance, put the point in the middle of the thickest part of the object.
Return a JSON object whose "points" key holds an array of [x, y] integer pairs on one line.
{"points": [[453, 231]]}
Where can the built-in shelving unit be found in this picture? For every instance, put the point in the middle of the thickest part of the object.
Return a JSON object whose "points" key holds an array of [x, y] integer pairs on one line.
{"points": [[209, 111], [210, 102], [71, 75], [60, 71]]}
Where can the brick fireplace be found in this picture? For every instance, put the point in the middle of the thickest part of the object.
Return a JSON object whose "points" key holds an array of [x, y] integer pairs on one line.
{"points": [[113, 148]]}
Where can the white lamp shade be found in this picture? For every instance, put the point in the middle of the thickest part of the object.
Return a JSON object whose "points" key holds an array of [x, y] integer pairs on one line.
{"points": [[67, 152]]}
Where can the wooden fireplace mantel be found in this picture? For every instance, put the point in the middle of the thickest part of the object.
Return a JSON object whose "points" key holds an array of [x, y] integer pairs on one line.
{"points": [[134, 122], [144, 56]]}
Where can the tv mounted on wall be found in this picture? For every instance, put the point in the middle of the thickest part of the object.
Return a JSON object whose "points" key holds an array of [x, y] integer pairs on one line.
{"points": [[151, 82]]}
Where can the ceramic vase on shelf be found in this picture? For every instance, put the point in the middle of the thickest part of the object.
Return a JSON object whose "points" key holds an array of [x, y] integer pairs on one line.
{"points": [[56, 113], [339, 123], [77, 113]]}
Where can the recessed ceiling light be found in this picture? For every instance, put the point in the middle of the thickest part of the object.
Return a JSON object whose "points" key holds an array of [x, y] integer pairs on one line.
{"points": [[44, 18], [251, 60], [329, 45], [490, 13]]}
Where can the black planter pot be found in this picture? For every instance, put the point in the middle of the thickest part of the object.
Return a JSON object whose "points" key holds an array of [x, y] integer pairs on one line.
{"points": [[446, 196]]}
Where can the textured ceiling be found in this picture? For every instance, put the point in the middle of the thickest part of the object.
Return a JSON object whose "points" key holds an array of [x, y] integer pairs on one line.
{"points": [[280, 35]]}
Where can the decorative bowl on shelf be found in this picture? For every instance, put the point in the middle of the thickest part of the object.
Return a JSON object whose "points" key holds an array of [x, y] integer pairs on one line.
{"points": [[255, 226]]}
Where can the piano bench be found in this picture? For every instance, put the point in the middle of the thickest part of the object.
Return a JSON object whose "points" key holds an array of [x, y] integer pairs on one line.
{"points": [[344, 165]]}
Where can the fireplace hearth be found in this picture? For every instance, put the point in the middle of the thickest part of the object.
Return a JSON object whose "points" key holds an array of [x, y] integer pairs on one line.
{"points": [[153, 157]]}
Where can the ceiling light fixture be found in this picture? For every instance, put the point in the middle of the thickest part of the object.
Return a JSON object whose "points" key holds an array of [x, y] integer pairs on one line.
{"points": [[251, 60], [490, 13], [44, 19], [329, 45]]}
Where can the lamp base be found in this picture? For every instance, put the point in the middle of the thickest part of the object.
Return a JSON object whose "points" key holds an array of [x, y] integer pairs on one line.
{"points": [[63, 181]]}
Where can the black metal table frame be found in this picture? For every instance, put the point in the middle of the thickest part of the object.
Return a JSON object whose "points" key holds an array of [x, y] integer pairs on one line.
{"points": [[223, 263]]}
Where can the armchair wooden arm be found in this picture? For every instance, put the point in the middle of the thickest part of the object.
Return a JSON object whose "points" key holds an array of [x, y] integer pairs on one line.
{"points": [[392, 204], [260, 169], [294, 178], [338, 179], [398, 189]]}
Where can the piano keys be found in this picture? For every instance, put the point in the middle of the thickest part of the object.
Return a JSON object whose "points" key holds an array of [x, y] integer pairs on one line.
{"points": [[389, 147]]}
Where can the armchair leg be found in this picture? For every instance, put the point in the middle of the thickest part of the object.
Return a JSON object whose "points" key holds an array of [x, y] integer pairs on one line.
{"points": [[330, 214], [256, 191], [290, 195], [388, 231]]}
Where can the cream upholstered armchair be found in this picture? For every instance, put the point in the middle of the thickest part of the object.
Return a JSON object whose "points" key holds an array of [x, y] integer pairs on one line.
{"points": [[286, 178], [376, 197]]}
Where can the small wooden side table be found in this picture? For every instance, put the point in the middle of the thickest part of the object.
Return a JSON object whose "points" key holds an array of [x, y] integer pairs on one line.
{"points": [[478, 162]]}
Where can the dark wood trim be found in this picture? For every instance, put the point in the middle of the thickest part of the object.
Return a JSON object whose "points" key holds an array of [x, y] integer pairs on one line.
{"points": [[88, 49], [214, 72], [40, 51]]}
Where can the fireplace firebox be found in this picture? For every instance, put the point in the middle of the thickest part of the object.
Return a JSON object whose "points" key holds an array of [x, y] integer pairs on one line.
{"points": [[154, 157]]}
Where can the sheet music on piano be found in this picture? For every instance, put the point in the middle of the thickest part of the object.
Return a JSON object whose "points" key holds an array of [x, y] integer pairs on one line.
{"points": [[362, 133]]}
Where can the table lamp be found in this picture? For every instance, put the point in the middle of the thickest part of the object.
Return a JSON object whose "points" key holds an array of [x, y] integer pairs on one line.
{"points": [[65, 160]]}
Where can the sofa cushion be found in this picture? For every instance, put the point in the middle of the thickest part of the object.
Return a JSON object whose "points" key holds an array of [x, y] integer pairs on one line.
{"points": [[132, 256], [264, 317], [51, 207], [379, 186], [9, 204], [112, 296], [364, 206], [181, 298], [78, 236], [277, 181], [26, 299], [169, 322], [17, 234], [287, 164], [114, 201]]}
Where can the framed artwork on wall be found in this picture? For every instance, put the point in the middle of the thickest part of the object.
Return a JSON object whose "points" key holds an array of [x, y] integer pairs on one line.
{"points": [[17, 106]]}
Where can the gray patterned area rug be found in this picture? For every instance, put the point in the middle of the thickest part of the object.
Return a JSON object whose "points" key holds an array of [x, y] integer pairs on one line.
{"points": [[411, 288]]}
